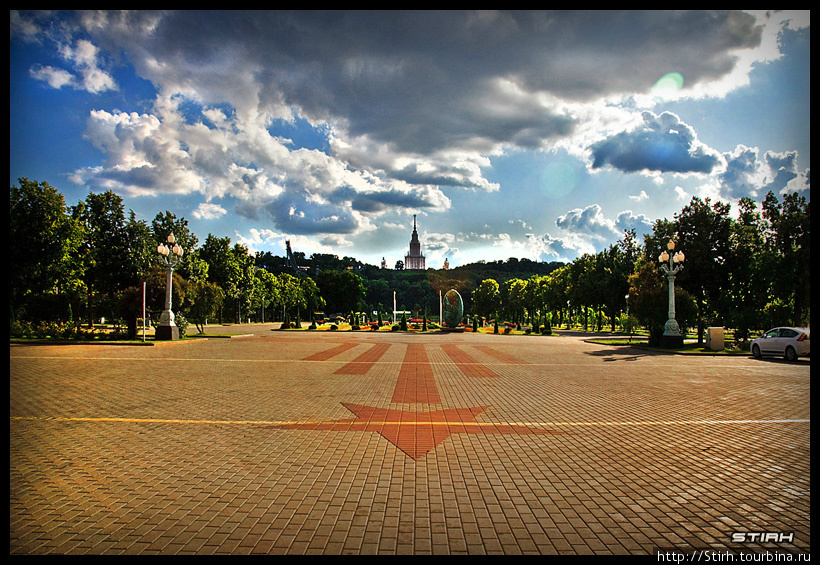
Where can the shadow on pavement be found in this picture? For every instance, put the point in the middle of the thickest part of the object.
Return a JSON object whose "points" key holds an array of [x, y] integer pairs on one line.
{"points": [[623, 353]]}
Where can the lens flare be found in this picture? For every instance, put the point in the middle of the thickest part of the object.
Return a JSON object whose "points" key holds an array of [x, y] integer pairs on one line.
{"points": [[558, 179], [668, 85]]}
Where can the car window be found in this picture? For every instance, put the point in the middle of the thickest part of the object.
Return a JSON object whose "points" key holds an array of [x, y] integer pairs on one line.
{"points": [[772, 333], [787, 333]]}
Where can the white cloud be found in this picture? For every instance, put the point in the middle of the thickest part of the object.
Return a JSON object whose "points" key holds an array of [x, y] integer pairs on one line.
{"points": [[56, 78], [83, 57], [628, 220], [551, 248], [589, 221], [748, 175], [207, 211]]}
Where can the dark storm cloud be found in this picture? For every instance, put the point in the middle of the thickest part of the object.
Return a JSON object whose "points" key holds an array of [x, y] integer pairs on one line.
{"points": [[423, 81]]}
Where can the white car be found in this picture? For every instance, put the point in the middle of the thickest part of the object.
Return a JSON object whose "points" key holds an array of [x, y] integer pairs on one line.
{"points": [[790, 343]]}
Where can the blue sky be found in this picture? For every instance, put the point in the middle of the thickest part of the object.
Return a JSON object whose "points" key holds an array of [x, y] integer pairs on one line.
{"points": [[539, 135]]}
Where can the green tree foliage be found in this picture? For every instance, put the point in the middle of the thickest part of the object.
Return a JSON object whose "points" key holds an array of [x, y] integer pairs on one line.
{"points": [[704, 233], [45, 245], [749, 264], [311, 296], [487, 299], [789, 231], [205, 299], [106, 251], [342, 290]]}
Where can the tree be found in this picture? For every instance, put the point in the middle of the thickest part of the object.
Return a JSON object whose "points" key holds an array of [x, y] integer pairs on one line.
{"points": [[128, 307], [243, 271], [616, 264], [44, 250], [789, 231], [342, 290], [514, 299], [205, 299], [290, 294], [487, 298], [582, 286], [557, 293], [704, 231], [222, 270], [167, 223], [749, 263], [266, 290], [142, 247], [109, 266], [312, 296]]}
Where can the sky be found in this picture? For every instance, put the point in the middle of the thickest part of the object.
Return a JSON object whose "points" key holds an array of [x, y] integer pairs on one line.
{"points": [[536, 135]]}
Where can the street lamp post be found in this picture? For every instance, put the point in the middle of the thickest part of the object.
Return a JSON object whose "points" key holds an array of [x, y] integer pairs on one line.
{"points": [[171, 254], [671, 265]]}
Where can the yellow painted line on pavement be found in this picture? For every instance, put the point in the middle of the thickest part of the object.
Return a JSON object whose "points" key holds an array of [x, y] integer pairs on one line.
{"points": [[403, 422]]}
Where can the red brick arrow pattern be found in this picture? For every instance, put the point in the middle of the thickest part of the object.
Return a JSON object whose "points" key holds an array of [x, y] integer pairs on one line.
{"points": [[414, 432]]}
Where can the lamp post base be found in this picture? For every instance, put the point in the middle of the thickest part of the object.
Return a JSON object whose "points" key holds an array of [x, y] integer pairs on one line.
{"points": [[671, 341], [167, 333]]}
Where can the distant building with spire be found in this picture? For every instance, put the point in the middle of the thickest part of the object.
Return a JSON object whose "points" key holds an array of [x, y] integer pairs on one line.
{"points": [[414, 260]]}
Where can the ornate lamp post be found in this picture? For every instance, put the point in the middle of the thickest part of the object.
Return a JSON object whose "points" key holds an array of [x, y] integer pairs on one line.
{"points": [[171, 254], [671, 265]]}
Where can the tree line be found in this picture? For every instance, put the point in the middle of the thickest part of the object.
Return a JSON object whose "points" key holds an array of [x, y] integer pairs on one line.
{"points": [[73, 265], [746, 273]]}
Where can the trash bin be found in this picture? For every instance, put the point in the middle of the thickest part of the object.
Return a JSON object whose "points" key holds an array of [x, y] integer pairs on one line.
{"points": [[714, 339]]}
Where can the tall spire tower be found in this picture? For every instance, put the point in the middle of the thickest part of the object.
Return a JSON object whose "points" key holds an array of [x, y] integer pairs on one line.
{"points": [[414, 260]]}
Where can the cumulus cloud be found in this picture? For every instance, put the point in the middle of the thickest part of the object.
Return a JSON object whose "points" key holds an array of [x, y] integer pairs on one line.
{"points": [[409, 104], [207, 211], [628, 220], [661, 143], [562, 248], [589, 220], [585, 228], [83, 58], [747, 174]]}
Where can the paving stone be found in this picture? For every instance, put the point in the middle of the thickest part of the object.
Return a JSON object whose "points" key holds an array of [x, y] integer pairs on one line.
{"points": [[366, 443]]}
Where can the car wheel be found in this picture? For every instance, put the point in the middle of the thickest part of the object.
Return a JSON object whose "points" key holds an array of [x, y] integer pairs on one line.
{"points": [[756, 351], [791, 354]]}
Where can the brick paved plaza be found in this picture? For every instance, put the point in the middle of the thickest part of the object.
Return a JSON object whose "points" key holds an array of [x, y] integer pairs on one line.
{"points": [[396, 443]]}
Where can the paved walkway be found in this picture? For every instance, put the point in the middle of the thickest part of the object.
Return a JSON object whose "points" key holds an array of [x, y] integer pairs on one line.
{"points": [[392, 443]]}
